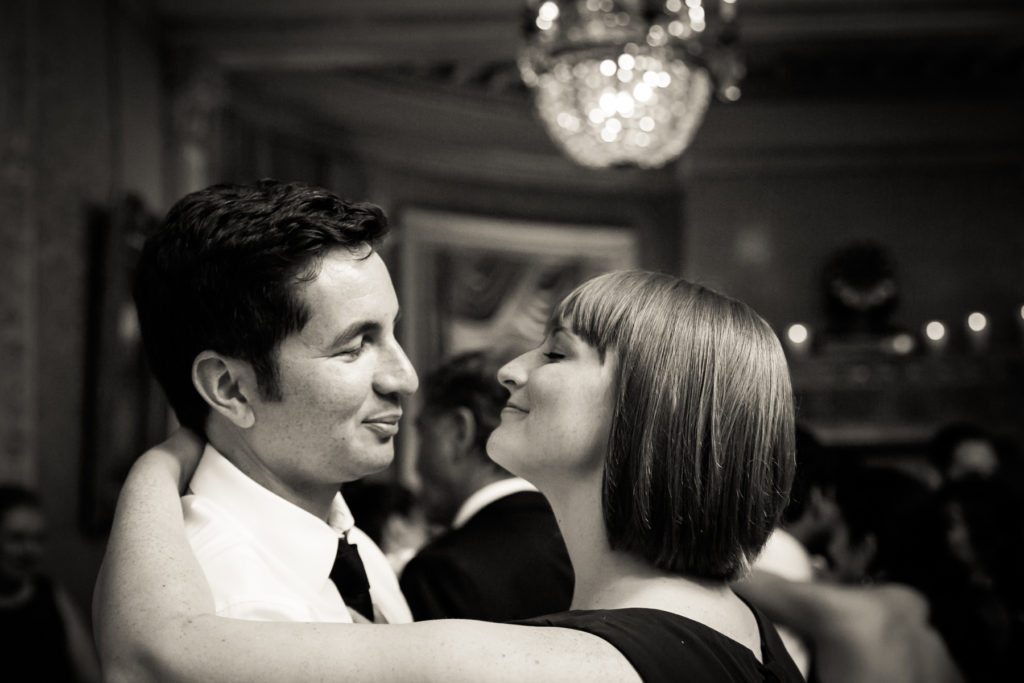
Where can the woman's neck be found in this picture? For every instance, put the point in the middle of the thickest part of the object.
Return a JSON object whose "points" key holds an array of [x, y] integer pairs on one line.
{"points": [[612, 579]]}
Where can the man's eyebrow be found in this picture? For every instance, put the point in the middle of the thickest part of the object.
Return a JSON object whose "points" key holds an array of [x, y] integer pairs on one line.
{"points": [[360, 327]]}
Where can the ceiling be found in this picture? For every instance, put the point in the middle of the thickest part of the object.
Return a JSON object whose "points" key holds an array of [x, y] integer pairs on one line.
{"points": [[401, 75]]}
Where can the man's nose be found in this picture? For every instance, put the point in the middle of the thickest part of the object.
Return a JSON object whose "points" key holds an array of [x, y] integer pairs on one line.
{"points": [[396, 375]]}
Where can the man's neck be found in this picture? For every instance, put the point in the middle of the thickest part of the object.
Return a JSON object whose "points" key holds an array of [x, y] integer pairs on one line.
{"points": [[314, 499], [481, 478], [484, 476]]}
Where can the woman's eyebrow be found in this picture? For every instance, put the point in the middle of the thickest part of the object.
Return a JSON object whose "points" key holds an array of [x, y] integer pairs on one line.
{"points": [[567, 336]]}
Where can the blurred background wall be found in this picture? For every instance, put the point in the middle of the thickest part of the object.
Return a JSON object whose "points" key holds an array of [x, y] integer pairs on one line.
{"points": [[896, 122], [80, 124]]}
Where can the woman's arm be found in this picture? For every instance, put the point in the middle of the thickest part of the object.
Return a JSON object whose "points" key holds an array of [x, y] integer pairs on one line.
{"points": [[155, 619], [858, 633], [147, 546]]}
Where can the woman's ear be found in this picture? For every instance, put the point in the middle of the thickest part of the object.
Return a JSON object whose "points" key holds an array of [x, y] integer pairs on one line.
{"points": [[227, 385]]}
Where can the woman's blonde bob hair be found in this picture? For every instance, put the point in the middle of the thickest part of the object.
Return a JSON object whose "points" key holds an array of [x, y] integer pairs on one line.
{"points": [[700, 456]]}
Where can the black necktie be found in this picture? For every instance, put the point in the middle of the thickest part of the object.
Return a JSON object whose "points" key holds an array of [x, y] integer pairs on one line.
{"points": [[349, 575]]}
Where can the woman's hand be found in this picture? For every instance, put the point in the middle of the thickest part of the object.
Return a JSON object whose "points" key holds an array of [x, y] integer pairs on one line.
{"points": [[179, 454]]}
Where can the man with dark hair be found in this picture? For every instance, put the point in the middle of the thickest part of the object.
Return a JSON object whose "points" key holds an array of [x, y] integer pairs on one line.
{"points": [[503, 557], [268, 318]]}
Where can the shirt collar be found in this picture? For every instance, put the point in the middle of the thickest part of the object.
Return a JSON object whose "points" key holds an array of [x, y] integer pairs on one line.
{"points": [[304, 543], [488, 494]]}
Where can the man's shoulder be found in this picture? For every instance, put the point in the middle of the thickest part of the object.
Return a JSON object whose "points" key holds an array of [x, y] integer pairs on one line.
{"points": [[217, 541], [521, 520], [526, 514], [783, 555]]}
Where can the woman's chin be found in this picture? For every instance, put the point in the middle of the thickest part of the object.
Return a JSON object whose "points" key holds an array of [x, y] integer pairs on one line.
{"points": [[499, 451]]}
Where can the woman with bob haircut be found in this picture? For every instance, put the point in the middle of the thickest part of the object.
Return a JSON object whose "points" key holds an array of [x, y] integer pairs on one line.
{"points": [[656, 417]]}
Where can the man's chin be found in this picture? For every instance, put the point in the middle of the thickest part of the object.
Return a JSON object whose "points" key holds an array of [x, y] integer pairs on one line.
{"points": [[378, 456]]}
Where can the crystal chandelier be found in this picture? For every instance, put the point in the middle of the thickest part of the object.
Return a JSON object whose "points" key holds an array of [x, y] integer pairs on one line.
{"points": [[627, 82]]}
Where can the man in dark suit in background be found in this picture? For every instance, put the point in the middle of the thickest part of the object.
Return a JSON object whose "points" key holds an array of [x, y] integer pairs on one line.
{"points": [[502, 557]]}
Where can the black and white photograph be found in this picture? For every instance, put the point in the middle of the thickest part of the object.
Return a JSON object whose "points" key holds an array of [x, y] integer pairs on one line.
{"points": [[499, 341]]}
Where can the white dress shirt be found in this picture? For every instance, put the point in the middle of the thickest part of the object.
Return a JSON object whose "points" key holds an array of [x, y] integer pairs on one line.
{"points": [[485, 495], [269, 560]]}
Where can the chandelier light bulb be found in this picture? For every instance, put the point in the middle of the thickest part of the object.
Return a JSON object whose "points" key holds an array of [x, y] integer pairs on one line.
{"points": [[797, 333], [627, 82], [935, 330], [903, 343]]}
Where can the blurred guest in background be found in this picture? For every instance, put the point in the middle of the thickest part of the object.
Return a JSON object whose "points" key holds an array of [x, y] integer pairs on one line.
{"points": [[962, 449], [811, 517], [503, 557], [857, 633], [985, 533], [892, 528], [899, 531], [42, 634], [884, 624], [808, 522]]}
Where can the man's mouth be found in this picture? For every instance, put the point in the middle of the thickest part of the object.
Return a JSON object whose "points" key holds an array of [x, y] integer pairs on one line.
{"points": [[384, 425], [514, 409]]}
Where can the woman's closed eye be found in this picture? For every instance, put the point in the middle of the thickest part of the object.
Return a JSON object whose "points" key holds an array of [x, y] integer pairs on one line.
{"points": [[554, 355]]}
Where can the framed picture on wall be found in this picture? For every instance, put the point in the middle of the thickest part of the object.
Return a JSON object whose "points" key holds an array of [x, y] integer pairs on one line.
{"points": [[470, 283]]}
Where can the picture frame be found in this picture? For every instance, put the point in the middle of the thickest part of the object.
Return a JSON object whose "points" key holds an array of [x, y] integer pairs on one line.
{"points": [[471, 282]]}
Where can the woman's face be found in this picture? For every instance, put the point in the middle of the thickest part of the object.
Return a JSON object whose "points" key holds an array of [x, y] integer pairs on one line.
{"points": [[558, 414]]}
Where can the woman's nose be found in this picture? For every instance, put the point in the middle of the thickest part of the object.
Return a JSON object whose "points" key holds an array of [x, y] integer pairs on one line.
{"points": [[513, 373]]}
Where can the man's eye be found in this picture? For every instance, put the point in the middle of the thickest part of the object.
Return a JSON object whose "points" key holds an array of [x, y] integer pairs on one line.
{"points": [[353, 351], [554, 355]]}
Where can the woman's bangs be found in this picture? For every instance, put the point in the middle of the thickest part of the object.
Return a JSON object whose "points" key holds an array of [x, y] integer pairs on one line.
{"points": [[592, 311]]}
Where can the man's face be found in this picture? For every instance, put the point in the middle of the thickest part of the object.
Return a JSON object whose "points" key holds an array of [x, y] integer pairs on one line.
{"points": [[341, 379]]}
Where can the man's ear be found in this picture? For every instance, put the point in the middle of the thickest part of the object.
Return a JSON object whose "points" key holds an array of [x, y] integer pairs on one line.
{"points": [[228, 385], [464, 424]]}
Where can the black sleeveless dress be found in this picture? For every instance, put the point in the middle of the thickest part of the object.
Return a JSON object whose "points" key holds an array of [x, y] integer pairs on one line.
{"points": [[664, 647]]}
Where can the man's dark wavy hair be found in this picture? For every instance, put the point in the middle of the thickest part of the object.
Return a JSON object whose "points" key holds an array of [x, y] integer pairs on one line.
{"points": [[222, 272]]}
